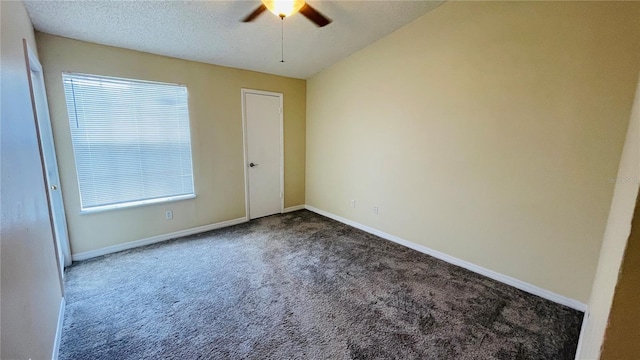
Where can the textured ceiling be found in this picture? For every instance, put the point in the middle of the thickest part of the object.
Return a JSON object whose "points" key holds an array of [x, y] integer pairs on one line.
{"points": [[211, 31]]}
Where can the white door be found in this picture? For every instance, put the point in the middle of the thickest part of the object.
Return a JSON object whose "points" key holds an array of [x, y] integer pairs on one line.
{"points": [[262, 113], [52, 178]]}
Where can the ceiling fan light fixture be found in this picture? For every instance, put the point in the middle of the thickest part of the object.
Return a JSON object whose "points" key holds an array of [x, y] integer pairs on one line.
{"points": [[283, 8]]}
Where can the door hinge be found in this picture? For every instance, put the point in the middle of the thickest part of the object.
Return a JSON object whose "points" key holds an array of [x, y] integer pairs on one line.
{"points": [[280, 195]]}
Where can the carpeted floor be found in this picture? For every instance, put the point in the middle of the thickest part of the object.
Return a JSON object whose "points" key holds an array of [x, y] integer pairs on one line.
{"points": [[301, 286]]}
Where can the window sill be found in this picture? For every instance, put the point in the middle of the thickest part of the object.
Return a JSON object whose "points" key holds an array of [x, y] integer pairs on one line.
{"points": [[133, 204]]}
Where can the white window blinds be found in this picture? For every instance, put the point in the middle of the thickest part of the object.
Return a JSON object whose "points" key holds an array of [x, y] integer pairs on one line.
{"points": [[130, 139]]}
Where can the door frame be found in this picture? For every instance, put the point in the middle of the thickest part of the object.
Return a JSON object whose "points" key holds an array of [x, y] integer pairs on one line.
{"points": [[33, 64], [280, 96]]}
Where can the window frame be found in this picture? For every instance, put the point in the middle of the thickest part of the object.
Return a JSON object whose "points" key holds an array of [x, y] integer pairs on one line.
{"points": [[133, 203], [137, 203]]}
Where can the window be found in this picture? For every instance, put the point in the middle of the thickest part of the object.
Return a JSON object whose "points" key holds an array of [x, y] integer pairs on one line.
{"points": [[130, 140]]}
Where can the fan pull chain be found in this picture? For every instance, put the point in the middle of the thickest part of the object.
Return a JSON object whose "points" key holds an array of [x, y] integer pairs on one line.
{"points": [[282, 39]]}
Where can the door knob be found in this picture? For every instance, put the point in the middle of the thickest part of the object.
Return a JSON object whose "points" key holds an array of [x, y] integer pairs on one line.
{"points": [[54, 187], [253, 165]]}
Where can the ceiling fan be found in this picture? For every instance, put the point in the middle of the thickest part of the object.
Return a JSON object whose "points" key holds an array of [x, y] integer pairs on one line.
{"points": [[284, 8]]}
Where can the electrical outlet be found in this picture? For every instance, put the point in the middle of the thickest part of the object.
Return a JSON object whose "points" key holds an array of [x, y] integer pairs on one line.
{"points": [[168, 215], [375, 210], [352, 203]]}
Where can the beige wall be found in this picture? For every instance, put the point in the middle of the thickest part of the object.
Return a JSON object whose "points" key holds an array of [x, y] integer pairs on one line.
{"points": [[30, 290], [216, 137], [615, 240], [485, 130]]}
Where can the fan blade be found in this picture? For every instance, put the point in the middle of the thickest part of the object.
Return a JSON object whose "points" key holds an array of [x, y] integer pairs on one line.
{"points": [[313, 15], [255, 13]]}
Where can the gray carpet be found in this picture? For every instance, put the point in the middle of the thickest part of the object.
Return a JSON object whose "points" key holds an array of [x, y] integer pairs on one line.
{"points": [[301, 286]]}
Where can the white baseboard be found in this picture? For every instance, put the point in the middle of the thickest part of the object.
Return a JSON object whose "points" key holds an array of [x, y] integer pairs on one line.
{"points": [[519, 284], [56, 341], [293, 208], [155, 239]]}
